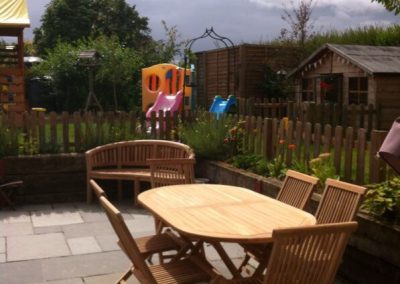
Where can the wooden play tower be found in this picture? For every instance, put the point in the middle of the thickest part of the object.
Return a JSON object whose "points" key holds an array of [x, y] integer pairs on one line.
{"points": [[13, 19]]}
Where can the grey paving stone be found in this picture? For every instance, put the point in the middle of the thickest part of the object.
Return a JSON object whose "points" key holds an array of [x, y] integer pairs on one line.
{"points": [[16, 229], [2, 245], [83, 245], [21, 272], [109, 278], [47, 230], [93, 215], [233, 250], [36, 246], [35, 207], [2, 257], [108, 242], [68, 206], [64, 281], [88, 229], [84, 265], [9, 217], [56, 217], [141, 223]]}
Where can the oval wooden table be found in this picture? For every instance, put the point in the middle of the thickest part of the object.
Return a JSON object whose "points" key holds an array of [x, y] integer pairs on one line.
{"points": [[221, 213]]}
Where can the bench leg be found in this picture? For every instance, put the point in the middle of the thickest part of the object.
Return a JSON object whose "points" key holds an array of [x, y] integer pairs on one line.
{"points": [[89, 193], [136, 191]]}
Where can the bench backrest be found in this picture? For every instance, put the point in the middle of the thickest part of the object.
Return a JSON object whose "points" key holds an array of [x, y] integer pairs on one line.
{"points": [[135, 153]]}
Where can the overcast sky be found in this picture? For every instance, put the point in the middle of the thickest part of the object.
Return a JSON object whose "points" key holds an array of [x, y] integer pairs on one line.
{"points": [[250, 21]]}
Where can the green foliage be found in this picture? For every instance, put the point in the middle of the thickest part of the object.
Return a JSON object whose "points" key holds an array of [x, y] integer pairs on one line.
{"points": [[390, 5], [251, 162], [73, 20], [8, 141], [114, 84], [207, 136], [272, 85], [277, 167], [367, 35], [322, 167], [383, 200]]}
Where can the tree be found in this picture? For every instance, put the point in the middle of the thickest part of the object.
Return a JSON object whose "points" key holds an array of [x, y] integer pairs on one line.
{"points": [[299, 20], [72, 20], [64, 20], [390, 5]]}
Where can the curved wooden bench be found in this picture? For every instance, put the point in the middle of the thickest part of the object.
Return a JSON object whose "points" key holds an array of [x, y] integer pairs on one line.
{"points": [[127, 160]]}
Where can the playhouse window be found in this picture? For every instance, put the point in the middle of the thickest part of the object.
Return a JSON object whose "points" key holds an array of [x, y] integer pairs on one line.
{"points": [[358, 90], [307, 90]]}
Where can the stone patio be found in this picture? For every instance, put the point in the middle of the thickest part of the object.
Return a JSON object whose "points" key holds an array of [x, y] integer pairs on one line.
{"points": [[72, 244]]}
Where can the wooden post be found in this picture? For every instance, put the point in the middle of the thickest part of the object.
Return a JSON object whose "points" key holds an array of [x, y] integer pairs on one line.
{"points": [[65, 131], [361, 146], [267, 139], [348, 154]]}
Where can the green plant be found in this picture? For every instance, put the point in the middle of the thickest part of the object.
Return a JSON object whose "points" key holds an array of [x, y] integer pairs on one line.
{"points": [[208, 136], [277, 167], [383, 200], [8, 140], [322, 167]]}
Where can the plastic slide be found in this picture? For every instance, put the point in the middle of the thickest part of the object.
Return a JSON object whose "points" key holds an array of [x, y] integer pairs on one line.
{"points": [[165, 103], [220, 105]]}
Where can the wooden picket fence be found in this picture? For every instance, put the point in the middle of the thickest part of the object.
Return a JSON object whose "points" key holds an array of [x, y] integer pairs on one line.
{"points": [[352, 150], [356, 116], [353, 154]]}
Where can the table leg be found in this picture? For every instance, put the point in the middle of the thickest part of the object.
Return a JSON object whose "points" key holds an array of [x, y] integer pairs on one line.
{"points": [[226, 259]]}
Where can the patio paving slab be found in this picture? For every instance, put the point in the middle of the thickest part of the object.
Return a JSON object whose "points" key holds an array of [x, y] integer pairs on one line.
{"points": [[64, 281], [16, 229], [9, 217], [108, 242], [21, 272], [2, 245], [56, 217], [83, 245], [109, 278], [47, 230], [84, 265], [88, 229], [36, 246]]}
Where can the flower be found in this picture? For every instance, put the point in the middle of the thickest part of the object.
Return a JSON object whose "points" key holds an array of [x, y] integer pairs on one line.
{"points": [[292, 146], [281, 141]]}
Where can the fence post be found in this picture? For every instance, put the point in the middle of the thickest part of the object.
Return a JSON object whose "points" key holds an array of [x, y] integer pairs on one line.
{"points": [[348, 153], [376, 165], [267, 139], [65, 131], [338, 148], [361, 144]]}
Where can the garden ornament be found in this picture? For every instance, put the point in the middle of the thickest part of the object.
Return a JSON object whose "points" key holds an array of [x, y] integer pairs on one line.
{"points": [[390, 149]]}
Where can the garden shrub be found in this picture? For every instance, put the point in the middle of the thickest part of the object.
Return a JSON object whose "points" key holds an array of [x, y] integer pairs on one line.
{"points": [[382, 200]]}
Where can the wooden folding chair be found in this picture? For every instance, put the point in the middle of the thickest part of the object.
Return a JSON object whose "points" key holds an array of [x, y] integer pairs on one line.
{"points": [[148, 245], [191, 269], [306, 255], [171, 171], [296, 191], [339, 202], [7, 190]]}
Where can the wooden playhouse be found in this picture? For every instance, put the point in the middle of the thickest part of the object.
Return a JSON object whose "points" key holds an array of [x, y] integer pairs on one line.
{"points": [[13, 19]]}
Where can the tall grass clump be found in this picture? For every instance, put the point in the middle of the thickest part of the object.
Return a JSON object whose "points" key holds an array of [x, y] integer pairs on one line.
{"points": [[208, 136]]}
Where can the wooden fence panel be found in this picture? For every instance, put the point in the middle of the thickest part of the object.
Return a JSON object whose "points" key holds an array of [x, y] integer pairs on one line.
{"points": [[338, 148], [65, 131], [348, 154]]}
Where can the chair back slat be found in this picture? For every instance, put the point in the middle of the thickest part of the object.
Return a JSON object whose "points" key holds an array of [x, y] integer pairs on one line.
{"points": [[339, 202], [126, 240], [171, 171], [297, 189], [308, 255]]}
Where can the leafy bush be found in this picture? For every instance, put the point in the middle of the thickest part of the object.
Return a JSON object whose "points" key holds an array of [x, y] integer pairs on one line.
{"points": [[277, 167], [383, 200], [253, 163]]}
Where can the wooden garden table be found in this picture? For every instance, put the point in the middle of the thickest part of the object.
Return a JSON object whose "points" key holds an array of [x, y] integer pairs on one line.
{"points": [[220, 213]]}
